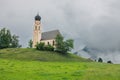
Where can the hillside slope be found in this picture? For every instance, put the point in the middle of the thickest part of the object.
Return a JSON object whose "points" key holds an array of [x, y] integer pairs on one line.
{"points": [[33, 54], [30, 64]]}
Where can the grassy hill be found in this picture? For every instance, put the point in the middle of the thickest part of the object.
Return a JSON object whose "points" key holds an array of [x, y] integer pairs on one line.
{"points": [[30, 64], [33, 54]]}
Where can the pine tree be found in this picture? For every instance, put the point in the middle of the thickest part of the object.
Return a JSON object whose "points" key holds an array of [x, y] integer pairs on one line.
{"points": [[7, 40], [30, 43]]}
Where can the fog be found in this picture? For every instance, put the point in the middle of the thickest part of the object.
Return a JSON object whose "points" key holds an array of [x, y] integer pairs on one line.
{"points": [[91, 23]]}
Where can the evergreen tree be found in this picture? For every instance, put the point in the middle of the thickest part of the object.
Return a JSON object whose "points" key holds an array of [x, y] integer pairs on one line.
{"points": [[100, 60], [14, 43], [30, 43], [7, 40]]}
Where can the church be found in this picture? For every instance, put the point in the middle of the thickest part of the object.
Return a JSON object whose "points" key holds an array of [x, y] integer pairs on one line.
{"points": [[46, 37]]}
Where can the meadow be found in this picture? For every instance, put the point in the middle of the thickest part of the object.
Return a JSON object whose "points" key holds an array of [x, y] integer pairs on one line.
{"points": [[24, 68]]}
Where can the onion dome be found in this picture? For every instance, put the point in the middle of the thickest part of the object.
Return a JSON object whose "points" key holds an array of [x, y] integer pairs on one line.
{"points": [[37, 17]]}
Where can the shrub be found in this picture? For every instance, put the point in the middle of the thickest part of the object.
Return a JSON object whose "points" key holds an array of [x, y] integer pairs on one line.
{"points": [[49, 48], [40, 46], [109, 62], [43, 47]]}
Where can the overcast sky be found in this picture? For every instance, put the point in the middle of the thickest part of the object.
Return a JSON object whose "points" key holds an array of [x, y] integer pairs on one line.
{"points": [[93, 23]]}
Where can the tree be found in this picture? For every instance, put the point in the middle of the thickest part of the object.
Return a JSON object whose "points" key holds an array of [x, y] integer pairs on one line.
{"points": [[68, 44], [59, 43], [15, 41], [109, 62], [63, 46], [30, 43], [7, 40], [100, 60]]}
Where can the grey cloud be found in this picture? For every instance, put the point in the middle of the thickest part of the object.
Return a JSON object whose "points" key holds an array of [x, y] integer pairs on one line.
{"points": [[92, 23]]}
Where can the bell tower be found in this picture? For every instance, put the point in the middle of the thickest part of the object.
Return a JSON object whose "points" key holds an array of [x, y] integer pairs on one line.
{"points": [[37, 30]]}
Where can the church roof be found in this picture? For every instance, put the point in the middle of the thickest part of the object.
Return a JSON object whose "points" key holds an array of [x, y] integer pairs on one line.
{"points": [[50, 34]]}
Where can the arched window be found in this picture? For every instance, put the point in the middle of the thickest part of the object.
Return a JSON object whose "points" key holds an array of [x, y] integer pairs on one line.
{"points": [[48, 43], [53, 42]]}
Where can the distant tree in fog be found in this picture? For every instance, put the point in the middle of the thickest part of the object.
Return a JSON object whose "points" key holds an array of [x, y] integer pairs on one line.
{"points": [[100, 60]]}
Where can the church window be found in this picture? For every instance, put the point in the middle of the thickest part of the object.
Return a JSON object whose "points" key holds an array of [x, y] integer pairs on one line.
{"points": [[53, 43], [48, 43]]}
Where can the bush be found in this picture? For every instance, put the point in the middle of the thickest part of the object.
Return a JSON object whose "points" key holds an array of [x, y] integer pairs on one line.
{"points": [[40, 46], [49, 48], [109, 62], [43, 47]]}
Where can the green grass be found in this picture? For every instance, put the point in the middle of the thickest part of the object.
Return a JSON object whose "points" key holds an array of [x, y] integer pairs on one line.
{"points": [[15, 64], [37, 70], [33, 54]]}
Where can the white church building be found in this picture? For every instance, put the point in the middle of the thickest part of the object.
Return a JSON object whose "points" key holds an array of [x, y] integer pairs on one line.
{"points": [[38, 36]]}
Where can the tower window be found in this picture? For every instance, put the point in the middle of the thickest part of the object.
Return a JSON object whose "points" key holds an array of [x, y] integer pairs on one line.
{"points": [[39, 27], [35, 27]]}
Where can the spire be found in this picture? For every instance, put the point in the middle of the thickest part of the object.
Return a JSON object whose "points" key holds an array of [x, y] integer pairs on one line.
{"points": [[37, 13]]}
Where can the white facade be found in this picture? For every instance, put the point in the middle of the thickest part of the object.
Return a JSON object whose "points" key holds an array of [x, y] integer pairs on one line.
{"points": [[37, 33], [49, 42], [47, 37]]}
